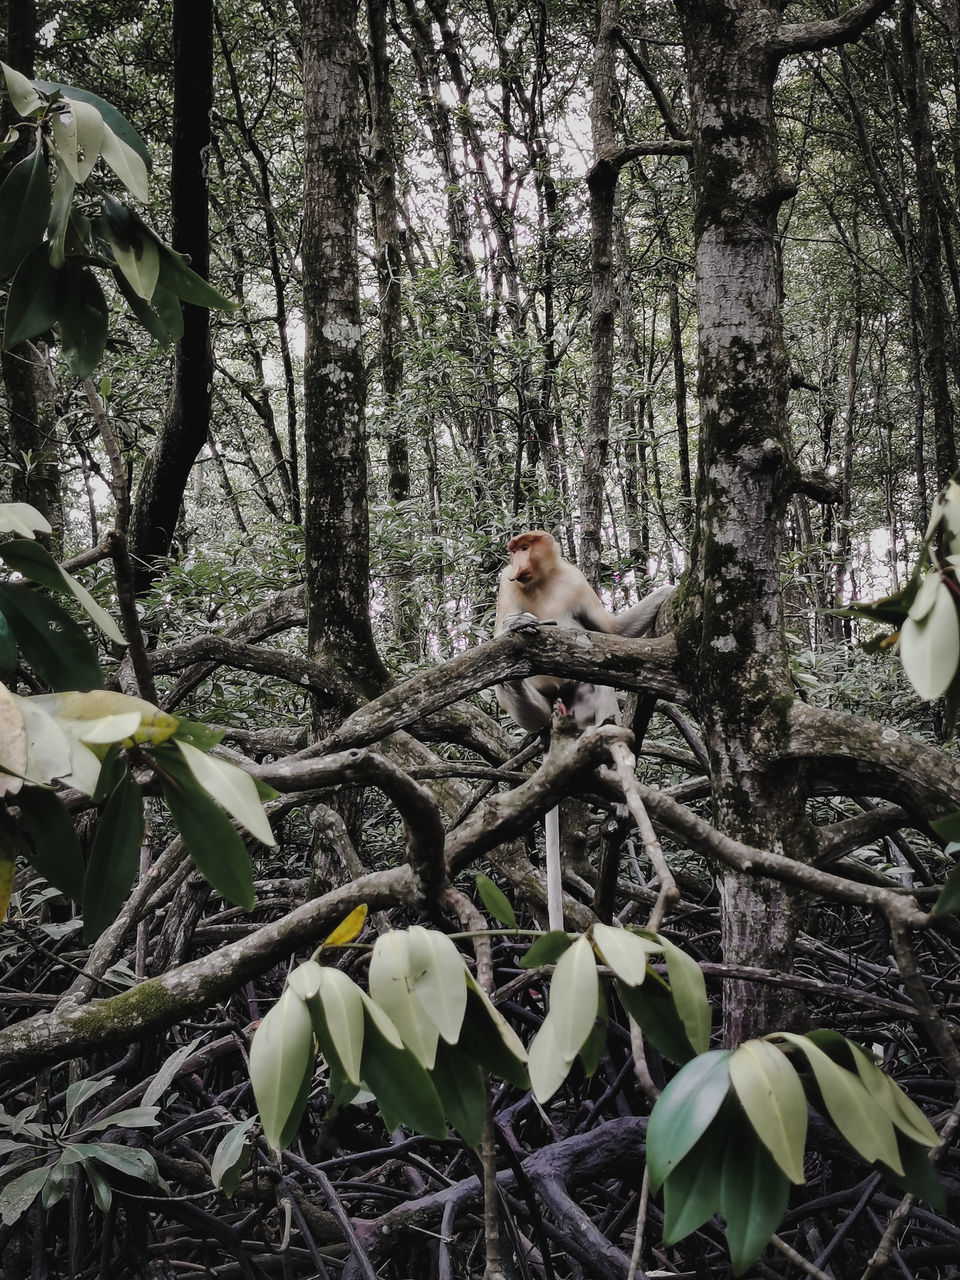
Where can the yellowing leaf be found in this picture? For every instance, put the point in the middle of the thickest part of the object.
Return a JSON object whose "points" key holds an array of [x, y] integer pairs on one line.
{"points": [[350, 927], [232, 788], [49, 752], [771, 1094], [104, 716], [8, 870]]}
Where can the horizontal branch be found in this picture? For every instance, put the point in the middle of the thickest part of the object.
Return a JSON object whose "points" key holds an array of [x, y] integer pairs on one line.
{"points": [[828, 33], [646, 665]]}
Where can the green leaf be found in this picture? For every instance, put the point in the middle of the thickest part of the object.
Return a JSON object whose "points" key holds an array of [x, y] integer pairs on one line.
{"points": [[19, 1194], [126, 163], [81, 1091], [161, 317], [200, 736], [9, 653], [57, 1184], [404, 1091], [55, 848], [685, 1110], [24, 210], [133, 245], [178, 279], [23, 92], [930, 650], [574, 992], [78, 134], [547, 949], [482, 1039], [919, 1176], [110, 115], [902, 1112], [231, 787], [496, 902], [391, 986], [32, 303], [114, 858], [281, 1059], [691, 1193], [83, 319], [463, 1092], [35, 562], [337, 1005], [547, 1064], [439, 979], [51, 642], [625, 952], [210, 837], [949, 896], [772, 1096], [851, 1108], [652, 1008], [232, 1158], [134, 1162], [99, 1186], [689, 994], [594, 1047], [754, 1195]]}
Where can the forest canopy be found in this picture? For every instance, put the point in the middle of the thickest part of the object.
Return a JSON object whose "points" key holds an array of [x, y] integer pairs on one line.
{"points": [[314, 963]]}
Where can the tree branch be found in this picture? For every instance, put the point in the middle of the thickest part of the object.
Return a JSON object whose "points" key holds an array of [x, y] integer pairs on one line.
{"points": [[805, 37]]}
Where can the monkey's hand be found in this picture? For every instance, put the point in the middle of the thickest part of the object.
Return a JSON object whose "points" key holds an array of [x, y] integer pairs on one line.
{"points": [[523, 621]]}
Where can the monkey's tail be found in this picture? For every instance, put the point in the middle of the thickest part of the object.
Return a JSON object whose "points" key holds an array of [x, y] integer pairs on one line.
{"points": [[639, 620]]}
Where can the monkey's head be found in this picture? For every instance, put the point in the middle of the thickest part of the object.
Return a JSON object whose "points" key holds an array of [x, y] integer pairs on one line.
{"points": [[530, 554]]}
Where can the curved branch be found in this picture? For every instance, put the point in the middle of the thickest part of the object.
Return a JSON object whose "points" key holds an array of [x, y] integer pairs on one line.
{"points": [[806, 37], [853, 755]]}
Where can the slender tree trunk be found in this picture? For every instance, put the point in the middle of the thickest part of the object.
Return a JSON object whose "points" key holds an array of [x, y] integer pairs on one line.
{"points": [[602, 182], [187, 419], [337, 526]]}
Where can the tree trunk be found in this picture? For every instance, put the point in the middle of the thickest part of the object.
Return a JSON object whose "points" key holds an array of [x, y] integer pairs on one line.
{"points": [[737, 646], [336, 526], [186, 422]]}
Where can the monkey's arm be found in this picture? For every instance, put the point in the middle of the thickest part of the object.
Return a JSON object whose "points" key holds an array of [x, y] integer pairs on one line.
{"points": [[640, 618]]}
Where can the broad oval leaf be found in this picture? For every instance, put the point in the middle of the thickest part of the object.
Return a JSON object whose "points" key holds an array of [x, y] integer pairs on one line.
{"points": [[772, 1096], [926, 596], [403, 1089], [232, 1157], [51, 642], [685, 1110], [56, 852], [48, 747], [574, 992], [78, 133], [902, 1112], [488, 1038], [23, 93], [689, 994], [858, 1117], [546, 1063], [930, 650], [36, 562], [547, 949], [625, 952], [440, 979], [342, 1003], [114, 857], [32, 303], [391, 985], [459, 1082], [753, 1197], [126, 163], [691, 1194], [232, 788], [281, 1057], [496, 901], [82, 315], [19, 1193], [13, 743], [24, 210], [22, 518], [111, 116]]}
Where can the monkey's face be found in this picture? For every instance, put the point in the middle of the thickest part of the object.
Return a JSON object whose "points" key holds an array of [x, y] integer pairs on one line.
{"points": [[526, 554]]}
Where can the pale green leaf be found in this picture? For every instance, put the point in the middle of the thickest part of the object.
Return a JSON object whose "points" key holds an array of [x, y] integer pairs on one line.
{"points": [[625, 952], [930, 650], [547, 1064], [231, 1157], [689, 994], [926, 597], [22, 93], [22, 519], [851, 1108], [381, 1021], [342, 1003], [81, 1091], [49, 752], [771, 1094], [511, 1040], [126, 164], [900, 1110], [140, 264], [168, 1072], [574, 992], [391, 986], [439, 978], [19, 1194], [232, 788], [281, 1057], [305, 979]]}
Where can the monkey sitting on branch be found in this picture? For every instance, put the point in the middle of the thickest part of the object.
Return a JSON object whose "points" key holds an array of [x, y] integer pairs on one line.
{"points": [[539, 586]]}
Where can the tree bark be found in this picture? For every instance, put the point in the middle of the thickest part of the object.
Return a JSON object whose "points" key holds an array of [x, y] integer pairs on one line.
{"points": [[337, 525], [187, 419]]}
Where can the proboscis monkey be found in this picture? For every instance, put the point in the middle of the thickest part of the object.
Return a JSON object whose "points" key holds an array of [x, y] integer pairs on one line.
{"points": [[538, 585]]}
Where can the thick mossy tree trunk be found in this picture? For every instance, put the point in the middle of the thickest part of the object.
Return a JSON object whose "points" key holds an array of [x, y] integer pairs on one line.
{"points": [[336, 524], [731, 629]]}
